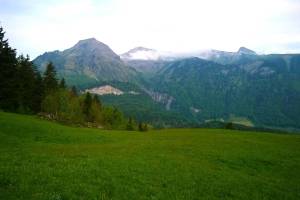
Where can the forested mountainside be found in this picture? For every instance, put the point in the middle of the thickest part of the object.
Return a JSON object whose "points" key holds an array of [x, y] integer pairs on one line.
{"points": [[263, 90]]}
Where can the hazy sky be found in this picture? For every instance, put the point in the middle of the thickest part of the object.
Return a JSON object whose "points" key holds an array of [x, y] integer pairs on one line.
{"points": [[35, 26]]}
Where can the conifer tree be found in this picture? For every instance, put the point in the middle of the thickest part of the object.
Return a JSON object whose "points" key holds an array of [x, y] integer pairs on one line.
{"points": [[50, 81], [130, 124], [143, 126], [62, 83], [87, 104], [74, 91], [97, 101], [38, 93], [8, 86], [140, 126], [25, 84]]}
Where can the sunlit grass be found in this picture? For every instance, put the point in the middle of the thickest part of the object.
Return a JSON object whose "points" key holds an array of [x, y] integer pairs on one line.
{"points": [[44, 160]]}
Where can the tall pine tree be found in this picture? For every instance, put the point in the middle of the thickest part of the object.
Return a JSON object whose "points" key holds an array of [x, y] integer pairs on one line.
{"points": [[62, 84], [8, 65], [50, 81], [38, 92], [87, 105], [26, 84]]}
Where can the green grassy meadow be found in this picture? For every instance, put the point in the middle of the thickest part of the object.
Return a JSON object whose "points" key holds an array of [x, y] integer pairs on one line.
{"points": [[45, 160]]}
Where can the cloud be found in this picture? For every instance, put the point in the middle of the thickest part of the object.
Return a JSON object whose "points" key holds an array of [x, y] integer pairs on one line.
{"points": [[37, 26]]}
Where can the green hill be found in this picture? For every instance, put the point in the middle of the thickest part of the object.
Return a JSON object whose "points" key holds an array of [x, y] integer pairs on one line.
{"points": [[45, 160]]}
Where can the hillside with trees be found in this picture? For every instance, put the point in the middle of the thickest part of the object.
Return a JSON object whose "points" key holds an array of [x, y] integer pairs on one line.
{"points": [[24, 90]]}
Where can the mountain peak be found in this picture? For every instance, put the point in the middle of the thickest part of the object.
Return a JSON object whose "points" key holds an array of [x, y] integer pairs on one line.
{"points": [[89, 39], [244, 50], [92, 47], [89, 59], [90, 42]]}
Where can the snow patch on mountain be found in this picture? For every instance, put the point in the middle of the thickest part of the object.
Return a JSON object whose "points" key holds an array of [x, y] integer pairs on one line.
{"points": [[140, 53]]}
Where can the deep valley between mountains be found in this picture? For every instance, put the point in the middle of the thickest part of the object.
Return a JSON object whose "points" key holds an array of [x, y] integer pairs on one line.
{"points": [[186, 90]]}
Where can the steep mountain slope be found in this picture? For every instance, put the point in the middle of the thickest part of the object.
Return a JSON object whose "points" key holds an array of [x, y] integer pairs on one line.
{"points": [[148, 67], [87, 63], [265, 91]]}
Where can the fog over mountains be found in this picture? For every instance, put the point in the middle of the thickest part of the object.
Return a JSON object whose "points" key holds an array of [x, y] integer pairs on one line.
{"points": [[188, 88]]}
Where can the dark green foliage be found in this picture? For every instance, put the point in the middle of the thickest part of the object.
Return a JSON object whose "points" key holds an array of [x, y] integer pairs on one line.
{"points": [[27, 85], [8, 68], [21, 86], [143, 127], [38, 94], [62, 83], [130, 124], [74, 91], [87, 105], [86, 110], [97, 101], [140, 126], [62, 106], [229, 125], [113, 118], [50, 81]]}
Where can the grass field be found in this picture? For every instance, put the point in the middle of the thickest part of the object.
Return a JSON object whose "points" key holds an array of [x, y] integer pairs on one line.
{"points": [[44, 160]]}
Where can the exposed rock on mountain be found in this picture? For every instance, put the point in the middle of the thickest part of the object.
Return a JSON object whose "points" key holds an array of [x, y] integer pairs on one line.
{"points": [[104, 90]]}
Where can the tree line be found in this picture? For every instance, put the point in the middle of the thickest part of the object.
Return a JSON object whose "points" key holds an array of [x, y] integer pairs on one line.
{"points": [[23, 89]]}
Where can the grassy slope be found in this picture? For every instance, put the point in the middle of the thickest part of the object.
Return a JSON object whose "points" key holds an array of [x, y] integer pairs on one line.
{"points": [[44, 160]]}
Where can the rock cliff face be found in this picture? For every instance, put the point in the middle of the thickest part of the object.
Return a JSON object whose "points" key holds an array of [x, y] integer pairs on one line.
{"points": [[104, 90], [162, 98]]}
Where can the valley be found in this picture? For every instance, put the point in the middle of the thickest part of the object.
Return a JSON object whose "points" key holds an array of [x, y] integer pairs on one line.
{"points": [[196, 86]]}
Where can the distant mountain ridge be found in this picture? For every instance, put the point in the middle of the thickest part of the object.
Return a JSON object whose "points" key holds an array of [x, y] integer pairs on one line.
{"points": [[149, 60]]}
